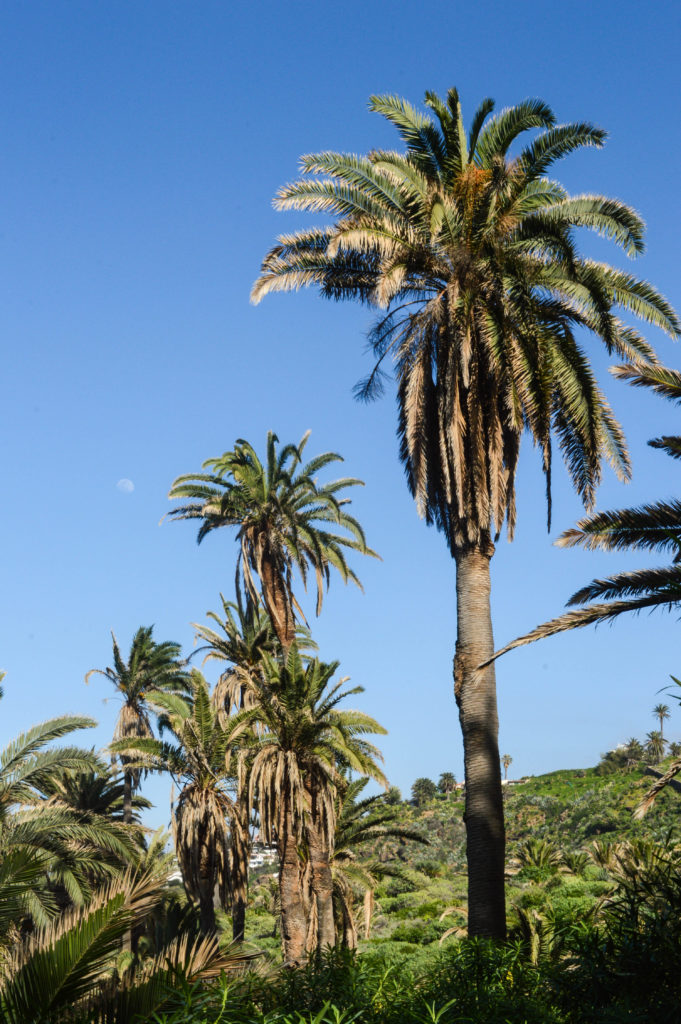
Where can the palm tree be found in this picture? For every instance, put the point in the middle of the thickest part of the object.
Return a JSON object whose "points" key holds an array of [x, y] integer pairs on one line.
{"points": [[51, 852], [447, 783], [150, 666], [655, 746], [362, 823], [507, 761], [67, 973], [661, 712], [98, 792], [303, 747], [471, 256], [281, 514], [240, 639], [422, 791], [202, 765]]}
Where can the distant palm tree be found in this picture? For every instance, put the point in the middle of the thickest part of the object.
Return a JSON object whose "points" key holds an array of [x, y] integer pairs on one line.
{"points": [[150, 666], [507, 761], [281, 515], [655, 746], [304, 744], [661, 712], [470, 253], [447, 783]]}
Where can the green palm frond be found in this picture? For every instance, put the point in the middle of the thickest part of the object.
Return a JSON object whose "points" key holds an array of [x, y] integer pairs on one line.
{"points": [[281, 512], [472, 254]]}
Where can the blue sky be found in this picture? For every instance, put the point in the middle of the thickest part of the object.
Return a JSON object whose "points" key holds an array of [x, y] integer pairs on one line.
{"points": [[142, 145]]}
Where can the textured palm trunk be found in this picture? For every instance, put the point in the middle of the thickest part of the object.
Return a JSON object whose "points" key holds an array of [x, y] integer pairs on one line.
{"points": [[349, 929], [240, 853], [127, 796], [129, 942], [293, 919], [322, 887], [207, 909], [476, 698], [277, 603]]}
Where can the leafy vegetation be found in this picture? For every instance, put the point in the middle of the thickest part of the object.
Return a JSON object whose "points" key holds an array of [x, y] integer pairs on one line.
{"points": [[363, 907]]}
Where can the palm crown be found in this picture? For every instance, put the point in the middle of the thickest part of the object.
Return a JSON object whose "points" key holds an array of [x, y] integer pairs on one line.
{"points": [[472, 256], [281, 513]]}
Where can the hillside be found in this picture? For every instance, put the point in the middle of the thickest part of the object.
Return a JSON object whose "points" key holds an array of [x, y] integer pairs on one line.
{"points": [[571, 812]]}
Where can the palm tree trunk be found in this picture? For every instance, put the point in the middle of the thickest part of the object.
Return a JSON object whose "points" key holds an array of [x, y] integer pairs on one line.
{"points": [[127, 796], [277, 600], [475, 693], [128, 939], [293, 920], [240, 851], [322, 887], [207, 909]]}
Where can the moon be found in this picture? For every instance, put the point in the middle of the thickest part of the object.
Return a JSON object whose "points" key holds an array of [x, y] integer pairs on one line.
{"points": [[125, 486]]}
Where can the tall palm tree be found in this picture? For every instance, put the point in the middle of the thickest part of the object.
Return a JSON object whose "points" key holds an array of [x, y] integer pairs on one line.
{"points": [[661, 712], [200, 764], [303, 747], [281, 514], [470, 254], [506, 760], [150, 666]]}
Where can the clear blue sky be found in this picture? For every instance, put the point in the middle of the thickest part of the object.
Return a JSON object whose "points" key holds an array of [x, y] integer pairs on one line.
{"points": [[141, 146]]}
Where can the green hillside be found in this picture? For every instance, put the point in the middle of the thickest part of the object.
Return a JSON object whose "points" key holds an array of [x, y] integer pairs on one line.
{"points": [[572, 819]]}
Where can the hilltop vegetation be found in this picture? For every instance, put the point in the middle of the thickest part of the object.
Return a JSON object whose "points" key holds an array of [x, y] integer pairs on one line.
{"points": [[574, 821]]}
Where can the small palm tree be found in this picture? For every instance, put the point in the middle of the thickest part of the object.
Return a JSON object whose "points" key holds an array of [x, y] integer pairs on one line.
{"points": [[661, 712], [150, 666], [304, 745], [200, 764], [281, 515], [50, 852], [67, 973], [539, 853], [470, 254], [507, 761], [363, 823], [99, 792]]}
